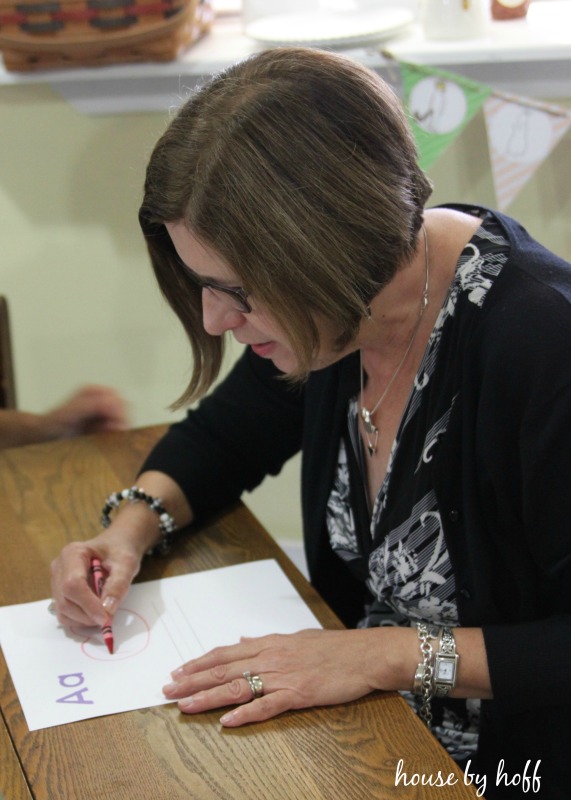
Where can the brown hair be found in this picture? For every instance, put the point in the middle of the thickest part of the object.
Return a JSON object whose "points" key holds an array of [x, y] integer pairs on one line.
{"points": [[299, 168]]}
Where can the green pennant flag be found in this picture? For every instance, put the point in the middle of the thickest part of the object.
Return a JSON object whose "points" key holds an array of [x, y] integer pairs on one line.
{"points": [[440, 104]]}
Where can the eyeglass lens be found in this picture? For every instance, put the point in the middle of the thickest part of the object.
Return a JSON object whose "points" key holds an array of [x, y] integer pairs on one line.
{"points": [[239, 302]]}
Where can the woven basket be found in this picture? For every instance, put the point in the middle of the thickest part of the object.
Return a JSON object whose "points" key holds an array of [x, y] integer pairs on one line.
{"points": [[60, 33]]}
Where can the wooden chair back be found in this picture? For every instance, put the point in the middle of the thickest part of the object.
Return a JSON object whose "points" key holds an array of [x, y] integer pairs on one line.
{"points": [[7, 382]]}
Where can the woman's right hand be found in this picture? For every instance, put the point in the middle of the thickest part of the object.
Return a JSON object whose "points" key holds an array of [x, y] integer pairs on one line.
{"points": [[76, 603], [120, 548]]}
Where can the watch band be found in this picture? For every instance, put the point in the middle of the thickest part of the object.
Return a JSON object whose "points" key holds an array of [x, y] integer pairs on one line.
{"points": [[445, 664]]}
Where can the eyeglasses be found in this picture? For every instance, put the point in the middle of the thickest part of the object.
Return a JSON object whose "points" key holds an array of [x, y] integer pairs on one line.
{"points": [[237, 293]]}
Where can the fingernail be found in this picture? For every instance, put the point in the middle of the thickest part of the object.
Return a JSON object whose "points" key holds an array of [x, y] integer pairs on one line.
{"points": [[178, 673], [109, 604], [170, 688], [227, 717]]}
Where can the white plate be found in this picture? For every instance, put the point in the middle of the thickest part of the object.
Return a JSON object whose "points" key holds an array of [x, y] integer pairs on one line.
{"points": [[330, 27], [226, 7]]}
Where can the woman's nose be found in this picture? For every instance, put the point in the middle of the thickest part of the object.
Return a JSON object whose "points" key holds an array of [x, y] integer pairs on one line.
{"points": [[218, 313]]}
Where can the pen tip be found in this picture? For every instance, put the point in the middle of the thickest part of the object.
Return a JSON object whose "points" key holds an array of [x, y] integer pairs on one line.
{"points": [[109, 646]]}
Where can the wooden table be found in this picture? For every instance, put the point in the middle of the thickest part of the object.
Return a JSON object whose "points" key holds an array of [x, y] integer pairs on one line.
{"points": [[51, 494]]}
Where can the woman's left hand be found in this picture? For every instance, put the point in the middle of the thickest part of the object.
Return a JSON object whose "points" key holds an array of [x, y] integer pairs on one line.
{"points": [[299, 670]]}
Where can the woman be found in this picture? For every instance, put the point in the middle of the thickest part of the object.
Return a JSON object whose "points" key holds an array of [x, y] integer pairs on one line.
{"points": [[420, 358]]}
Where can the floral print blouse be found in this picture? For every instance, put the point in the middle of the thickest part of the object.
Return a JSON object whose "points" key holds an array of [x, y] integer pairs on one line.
{"points": [[398, 546]]}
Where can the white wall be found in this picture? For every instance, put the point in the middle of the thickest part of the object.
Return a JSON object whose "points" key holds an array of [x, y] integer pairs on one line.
{"points": [[83, 303]]}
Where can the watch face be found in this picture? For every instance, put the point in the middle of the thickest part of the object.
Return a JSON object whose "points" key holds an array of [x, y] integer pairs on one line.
{"points": [[445, 670]]}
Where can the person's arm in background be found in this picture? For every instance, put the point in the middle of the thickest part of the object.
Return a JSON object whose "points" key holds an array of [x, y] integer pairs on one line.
{"points": [[90, 409]]}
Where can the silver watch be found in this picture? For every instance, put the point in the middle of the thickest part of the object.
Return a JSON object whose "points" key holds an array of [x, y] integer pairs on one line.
{"points": [[445, 664]]}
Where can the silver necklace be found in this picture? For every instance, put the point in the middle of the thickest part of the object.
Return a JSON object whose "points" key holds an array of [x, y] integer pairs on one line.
{"points": [[371, 429]]}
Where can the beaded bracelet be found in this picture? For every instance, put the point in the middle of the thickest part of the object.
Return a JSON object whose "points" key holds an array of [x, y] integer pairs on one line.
{"points": [[167, 525]]}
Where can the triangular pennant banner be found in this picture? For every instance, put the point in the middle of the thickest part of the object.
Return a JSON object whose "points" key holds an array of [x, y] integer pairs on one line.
{"points": [[521, 134], [440, 104]]}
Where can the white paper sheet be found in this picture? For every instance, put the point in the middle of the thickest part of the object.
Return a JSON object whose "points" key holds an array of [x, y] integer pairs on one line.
{"points": [[62, 678]]}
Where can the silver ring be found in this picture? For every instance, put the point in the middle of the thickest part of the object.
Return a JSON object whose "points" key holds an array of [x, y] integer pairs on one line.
{"points": [[256, 685]]}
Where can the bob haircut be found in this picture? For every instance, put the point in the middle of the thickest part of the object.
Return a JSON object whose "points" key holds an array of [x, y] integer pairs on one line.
{"points": [[299, 168]]}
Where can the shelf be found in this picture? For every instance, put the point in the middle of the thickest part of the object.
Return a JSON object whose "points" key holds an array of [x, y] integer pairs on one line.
{"points": [[530, 57]]}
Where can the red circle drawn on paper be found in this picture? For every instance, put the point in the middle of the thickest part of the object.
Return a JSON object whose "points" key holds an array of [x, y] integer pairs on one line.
{"points": [[94, 647]]}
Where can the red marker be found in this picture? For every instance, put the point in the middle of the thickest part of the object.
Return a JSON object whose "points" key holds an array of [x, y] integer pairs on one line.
{"points": [[98, 581]]}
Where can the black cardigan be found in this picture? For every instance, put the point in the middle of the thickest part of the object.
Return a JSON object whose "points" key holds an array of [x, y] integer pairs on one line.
{"points": [[502, 479]]}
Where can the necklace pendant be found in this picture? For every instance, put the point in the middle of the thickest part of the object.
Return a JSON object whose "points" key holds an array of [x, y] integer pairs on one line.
{"points": [[370, 427], [371, 448]]}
